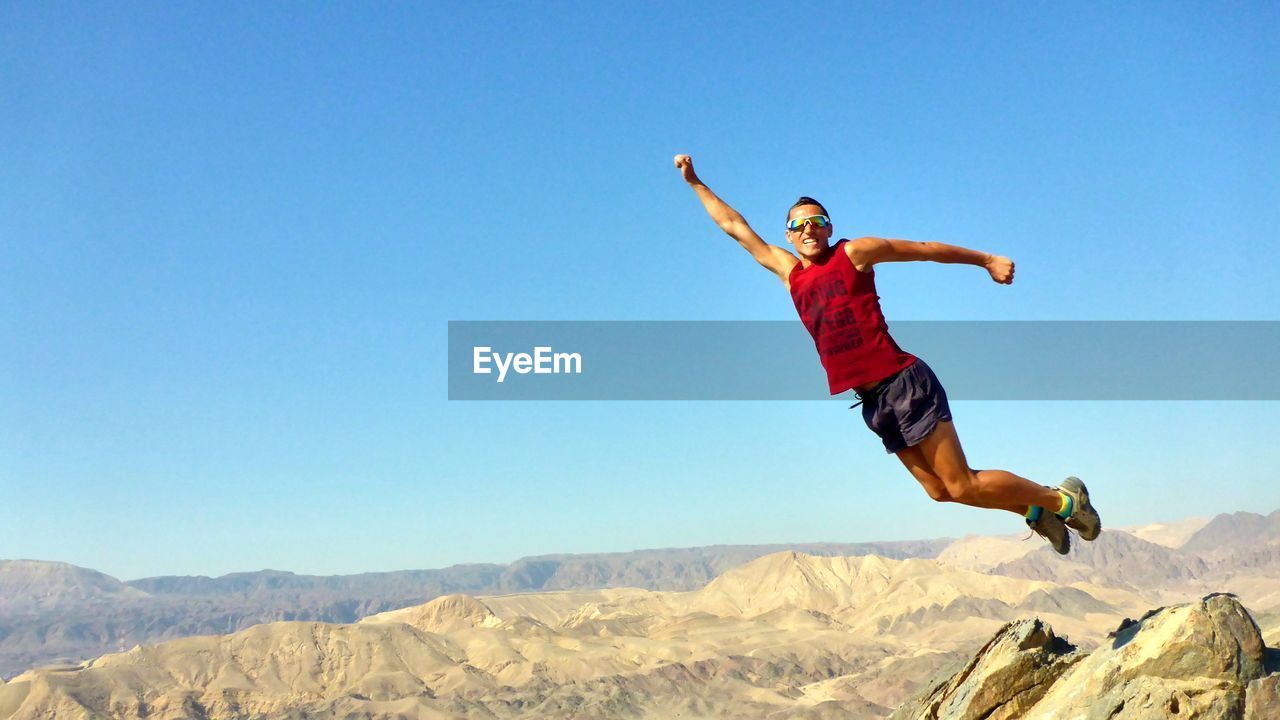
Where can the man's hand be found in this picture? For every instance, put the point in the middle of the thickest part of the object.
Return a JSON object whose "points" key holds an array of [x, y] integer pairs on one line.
{"points": [[1001, 269], [685, 164], [775, 259]]}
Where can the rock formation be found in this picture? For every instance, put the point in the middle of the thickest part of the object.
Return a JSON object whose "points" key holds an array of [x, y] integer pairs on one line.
{"points": [[1199, 660]]}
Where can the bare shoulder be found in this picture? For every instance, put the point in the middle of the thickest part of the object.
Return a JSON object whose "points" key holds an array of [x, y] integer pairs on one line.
{"points": [[863, 252]]}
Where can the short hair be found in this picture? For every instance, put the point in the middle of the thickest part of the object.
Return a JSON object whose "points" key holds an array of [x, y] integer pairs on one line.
{"points": [[806, 200]]}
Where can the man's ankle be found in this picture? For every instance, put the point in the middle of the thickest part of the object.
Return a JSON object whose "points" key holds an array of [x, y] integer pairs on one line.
{"points": [[1068, 506]]}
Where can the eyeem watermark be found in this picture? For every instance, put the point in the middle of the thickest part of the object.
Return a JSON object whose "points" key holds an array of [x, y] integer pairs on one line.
{"points": [[543, 361], [776, 360]]}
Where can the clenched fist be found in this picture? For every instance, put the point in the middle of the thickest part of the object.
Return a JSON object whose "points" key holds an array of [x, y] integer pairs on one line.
{"points": [[685, 164], [1001, 269]]}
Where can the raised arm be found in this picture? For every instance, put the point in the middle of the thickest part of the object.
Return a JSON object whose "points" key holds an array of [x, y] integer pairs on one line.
{"points": [[866, 252], [773, 258]]}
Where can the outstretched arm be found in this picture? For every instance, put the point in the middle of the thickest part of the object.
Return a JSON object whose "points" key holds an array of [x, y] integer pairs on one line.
{"points": [[867, 251], [773, 258]]}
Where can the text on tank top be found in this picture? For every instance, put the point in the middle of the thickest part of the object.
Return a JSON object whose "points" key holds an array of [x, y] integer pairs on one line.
{"points": [[841, 310]]}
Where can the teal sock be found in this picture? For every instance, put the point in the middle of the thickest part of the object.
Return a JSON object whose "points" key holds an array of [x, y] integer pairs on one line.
{"points": [[1033, 513]]}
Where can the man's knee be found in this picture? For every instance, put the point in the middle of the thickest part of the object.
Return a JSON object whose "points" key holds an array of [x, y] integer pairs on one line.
{"points": [[961, 486], [939, 493], [932, 485]]}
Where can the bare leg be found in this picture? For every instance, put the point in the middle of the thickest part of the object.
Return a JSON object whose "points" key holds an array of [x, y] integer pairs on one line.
{"points": [[980, 488], [913, 459]]}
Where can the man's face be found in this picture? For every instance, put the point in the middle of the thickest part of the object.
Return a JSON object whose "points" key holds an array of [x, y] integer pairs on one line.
{"points": [[809, 241]]}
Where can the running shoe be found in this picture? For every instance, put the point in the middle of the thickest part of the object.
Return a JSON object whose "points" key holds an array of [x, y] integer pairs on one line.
{"points": [[1084, 519], [1051, 528]]}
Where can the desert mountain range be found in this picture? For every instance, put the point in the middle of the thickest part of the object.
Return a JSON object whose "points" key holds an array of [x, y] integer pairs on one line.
{"points": [[54, 612], [830, 633]]}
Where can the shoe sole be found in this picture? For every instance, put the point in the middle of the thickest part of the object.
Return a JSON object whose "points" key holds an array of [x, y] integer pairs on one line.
{"points": [[1066, 536], [1084, 519]]}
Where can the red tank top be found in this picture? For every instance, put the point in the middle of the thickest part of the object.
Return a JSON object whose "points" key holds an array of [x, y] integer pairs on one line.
{"points": [[840, 308]]}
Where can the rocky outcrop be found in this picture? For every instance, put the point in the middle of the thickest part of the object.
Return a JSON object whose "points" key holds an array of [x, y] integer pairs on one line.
{"points": [[1200, 660], [1004, 680], [1262, 698]]}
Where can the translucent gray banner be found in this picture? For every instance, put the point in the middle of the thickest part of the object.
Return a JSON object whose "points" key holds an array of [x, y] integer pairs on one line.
{"points": [[980, 360]]}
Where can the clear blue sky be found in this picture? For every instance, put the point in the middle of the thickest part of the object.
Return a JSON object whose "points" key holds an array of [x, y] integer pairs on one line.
{"points": [[232, 234]]}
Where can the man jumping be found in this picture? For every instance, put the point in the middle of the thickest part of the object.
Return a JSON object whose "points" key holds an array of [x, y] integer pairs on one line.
{"points": [[903, 402]]}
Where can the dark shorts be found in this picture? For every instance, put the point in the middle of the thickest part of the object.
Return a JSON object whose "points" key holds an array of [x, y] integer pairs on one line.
{"points": [[905, 407]]}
